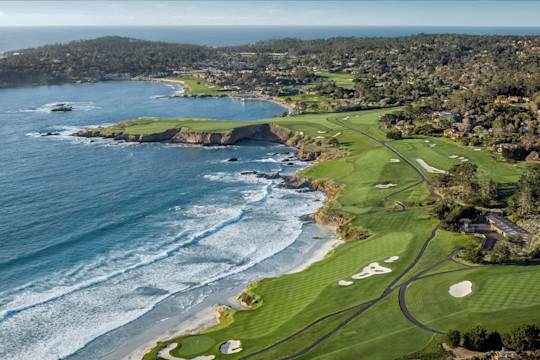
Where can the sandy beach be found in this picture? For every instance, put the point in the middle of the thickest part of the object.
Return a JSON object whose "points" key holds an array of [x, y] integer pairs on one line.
{"points": [[201, 316]]}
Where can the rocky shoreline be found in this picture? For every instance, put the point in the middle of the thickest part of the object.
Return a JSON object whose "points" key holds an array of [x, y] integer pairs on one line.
{"points": [[308, 150]]}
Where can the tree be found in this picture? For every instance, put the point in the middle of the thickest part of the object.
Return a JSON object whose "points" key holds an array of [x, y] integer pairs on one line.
{"points": [[501, 253], [393, 135], [523, 338], [453, 338], [475, 338], [473, 253]]}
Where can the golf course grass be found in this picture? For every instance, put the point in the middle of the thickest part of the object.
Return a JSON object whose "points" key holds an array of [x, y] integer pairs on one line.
{"points": [[199, 86], [289, 303]]}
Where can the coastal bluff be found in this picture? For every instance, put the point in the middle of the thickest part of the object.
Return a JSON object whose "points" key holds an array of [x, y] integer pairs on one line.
{"points": [[262, 132]]}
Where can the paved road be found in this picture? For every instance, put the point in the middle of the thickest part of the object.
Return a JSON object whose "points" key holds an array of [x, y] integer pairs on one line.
{"points": [[389, 289]]}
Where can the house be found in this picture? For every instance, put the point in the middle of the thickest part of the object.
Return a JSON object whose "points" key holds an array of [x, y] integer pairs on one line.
{"points": [[511, 100], [453, 133], [506, 228], [504, 354]]}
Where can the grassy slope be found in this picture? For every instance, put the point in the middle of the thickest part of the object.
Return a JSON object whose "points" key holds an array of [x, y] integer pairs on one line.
{"points": [[437, 156], [199, 86], [290, 302]]}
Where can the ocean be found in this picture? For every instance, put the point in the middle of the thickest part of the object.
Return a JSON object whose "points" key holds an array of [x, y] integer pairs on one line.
{"points": [[14, 38], [96, 233], [104, 242]]}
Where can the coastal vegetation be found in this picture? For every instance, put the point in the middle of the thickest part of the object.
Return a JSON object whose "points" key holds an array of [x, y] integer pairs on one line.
{"points": [[283, 306], [409, 135]]}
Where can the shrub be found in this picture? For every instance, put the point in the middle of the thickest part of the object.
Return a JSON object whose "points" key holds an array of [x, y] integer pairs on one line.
{"points": [[453, 338]]}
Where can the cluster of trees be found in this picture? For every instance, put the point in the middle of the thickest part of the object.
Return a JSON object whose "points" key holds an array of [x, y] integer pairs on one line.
{"points": [[526, 199], [465, 183], [459, 74], [94, 59], [522, 338], [449, 214], [480, 120]]}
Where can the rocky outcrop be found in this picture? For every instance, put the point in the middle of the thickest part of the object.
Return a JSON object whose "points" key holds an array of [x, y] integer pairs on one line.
{"points": [[156, 137], [263, 132], [532, 157]]}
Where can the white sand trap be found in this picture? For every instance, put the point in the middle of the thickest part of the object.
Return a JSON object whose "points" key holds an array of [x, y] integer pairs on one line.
{"points": [[321, 132], [453, 156], [355, 115], [165, 354], [344, 283], [391, 259], [426, 141], [319, 137], [384, 186], [477, 149], [300, 133], [460, 289], [370, 270], [464, 160], [432, 145], [231, 347], [430, 169], [461, 157], [394, 160], [336, 134]]}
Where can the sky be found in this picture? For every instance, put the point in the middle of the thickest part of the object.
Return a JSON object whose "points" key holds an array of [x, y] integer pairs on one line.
{"points": [[327, 13]]}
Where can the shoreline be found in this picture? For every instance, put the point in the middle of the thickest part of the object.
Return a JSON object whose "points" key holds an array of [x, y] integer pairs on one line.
{"points": [[272, 99], [204, 314]]}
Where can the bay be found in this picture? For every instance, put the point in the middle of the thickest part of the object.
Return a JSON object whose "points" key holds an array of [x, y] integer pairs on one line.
{"points": [[96, 234]]}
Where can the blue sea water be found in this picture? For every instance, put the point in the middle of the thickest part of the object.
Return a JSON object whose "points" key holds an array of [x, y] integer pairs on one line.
{"points": [[13, 38], [95, 233]]}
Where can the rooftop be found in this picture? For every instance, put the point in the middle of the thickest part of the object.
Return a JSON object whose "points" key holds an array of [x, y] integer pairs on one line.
{"points": [[510, 228]]}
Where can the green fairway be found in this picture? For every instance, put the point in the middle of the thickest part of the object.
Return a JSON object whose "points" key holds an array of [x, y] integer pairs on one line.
{"points": [[342, 79], [501, 298], [437, 156], [291, 302], [199, 86]]}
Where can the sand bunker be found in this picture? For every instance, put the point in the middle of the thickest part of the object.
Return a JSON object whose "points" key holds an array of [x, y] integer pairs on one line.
{"points": [[344, 283], [321, 132], [477, 149], [430, 169], [460, 289], [370, 270], [426, 141], [391, 259], [394, 160], [432, 145], [319, 137], [464, 160], [165, 354], [336, 134], [231, 347], [453, 156], [300, 133], [384, 186]]}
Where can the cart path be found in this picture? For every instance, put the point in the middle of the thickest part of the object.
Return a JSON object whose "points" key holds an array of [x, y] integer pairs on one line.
{"points": [[389, 289]]}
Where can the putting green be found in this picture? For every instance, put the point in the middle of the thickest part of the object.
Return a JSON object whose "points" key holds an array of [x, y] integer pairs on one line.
{"points": [[501, 298]]}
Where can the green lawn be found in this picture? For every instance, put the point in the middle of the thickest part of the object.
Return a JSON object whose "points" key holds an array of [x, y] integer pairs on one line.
{"points": [[290, 302], [437, 157], [344, 80], [146, 125], [501, 298], [199, 86]]}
